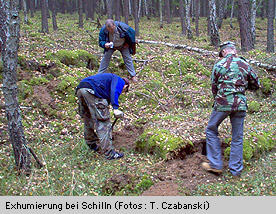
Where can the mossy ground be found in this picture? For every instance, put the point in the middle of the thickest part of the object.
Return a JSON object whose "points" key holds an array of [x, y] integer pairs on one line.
{"points": [[172, 98]]}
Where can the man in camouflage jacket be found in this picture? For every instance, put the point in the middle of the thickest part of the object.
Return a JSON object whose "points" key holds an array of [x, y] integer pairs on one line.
{"points": [[231, 77]]}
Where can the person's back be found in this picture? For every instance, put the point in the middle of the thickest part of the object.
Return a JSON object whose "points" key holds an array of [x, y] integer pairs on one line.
{"points": [[230, 78]]}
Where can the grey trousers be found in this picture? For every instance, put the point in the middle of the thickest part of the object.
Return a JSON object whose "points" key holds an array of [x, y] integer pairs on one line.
{"points": [[126, 57], [96, 117]]}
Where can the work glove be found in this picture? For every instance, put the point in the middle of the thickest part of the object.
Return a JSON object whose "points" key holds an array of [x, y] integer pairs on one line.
{"points": [[118, 113]]}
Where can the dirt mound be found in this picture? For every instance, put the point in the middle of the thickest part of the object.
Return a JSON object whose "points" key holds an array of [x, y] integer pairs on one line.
{"points": [[178, 176]]}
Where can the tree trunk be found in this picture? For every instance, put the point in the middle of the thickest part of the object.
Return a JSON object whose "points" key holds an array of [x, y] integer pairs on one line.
{"points": [[25, 11], [136, 21], [126, 11], [244, 21], [214, 34], [44, 19], [139, 9], [188, 23], [221, 12], [117, 10], [168, 12], [80, 11], [197, 17], [147, 8], [270, 26], [54, 13], [9, 32], [252, 20], [182, 17], [161, 13], [232, 11], [109, 6], [32, 7]]}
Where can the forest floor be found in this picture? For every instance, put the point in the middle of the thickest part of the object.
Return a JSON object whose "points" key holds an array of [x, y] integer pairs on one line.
{"points": [[162, 99]]}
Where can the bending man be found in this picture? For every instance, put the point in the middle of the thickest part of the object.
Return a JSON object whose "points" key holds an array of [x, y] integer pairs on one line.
{"points": [[95, 93]]}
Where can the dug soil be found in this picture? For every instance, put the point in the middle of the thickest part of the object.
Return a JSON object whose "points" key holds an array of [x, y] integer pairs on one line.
{"points": [[178, 176]]}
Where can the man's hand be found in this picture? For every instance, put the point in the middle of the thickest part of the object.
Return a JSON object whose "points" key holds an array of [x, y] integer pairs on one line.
{"points": [[118, 113]]}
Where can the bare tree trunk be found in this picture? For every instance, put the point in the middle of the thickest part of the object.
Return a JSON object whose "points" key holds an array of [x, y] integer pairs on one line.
{"points": [[109, 7], [214, 34], [168, 12], [222, 4], [9, 32], [25, 11], [117, 6], [188, 23], [182, 16], [245, 32], [32, 7], [270, 26], [253, 18], [139, 9], [232, 11], [54, 12], [161, 13], [44, 19], [147, 8], [197, 17], [136, 21], [80, 11], [126, 11]]}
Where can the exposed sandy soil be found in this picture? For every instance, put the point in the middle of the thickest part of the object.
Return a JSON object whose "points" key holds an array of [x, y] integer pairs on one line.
{"points": [[178, 176]]}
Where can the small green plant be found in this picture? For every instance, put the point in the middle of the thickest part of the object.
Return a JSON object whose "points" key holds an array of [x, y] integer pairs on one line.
{"points": [[24, 90], [266, 85], [38, 81], [254, 106]]}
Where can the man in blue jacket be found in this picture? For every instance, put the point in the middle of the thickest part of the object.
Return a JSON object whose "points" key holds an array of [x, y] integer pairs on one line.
{"points": [[95, 93], [114, 36]]}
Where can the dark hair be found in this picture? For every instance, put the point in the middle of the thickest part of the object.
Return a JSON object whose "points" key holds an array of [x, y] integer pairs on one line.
{"points": [[126, 82]]}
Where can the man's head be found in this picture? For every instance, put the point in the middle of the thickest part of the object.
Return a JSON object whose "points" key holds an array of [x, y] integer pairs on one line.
{"points": [[110, 25], [226, 48], [126, 86]]}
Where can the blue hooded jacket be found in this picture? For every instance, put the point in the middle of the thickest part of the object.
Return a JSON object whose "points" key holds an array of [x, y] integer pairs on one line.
{"points": [[106, 86], [125, 32]]}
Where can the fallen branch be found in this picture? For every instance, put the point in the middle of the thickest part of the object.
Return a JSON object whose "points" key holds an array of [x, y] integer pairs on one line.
{"points": [[213, 53], [154, 99]]}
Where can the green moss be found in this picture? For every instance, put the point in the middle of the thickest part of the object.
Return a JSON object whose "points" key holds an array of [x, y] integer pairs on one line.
{"points": [[78, 58], [38, 81], [255, 145], [266, 85], [253, 106], [21, 60], [188, 65], [24, 90], [159, 142]]}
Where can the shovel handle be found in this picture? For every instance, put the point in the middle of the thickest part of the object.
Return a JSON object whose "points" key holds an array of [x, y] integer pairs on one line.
{"points": [[114, 123]]}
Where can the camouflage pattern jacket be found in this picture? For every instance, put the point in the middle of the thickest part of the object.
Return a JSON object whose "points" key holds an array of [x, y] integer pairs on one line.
{"points": [[231, 76]]}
